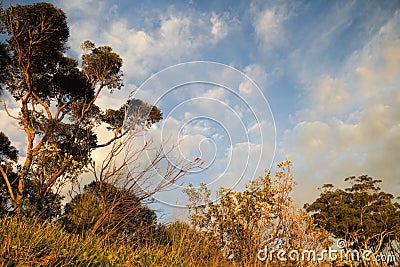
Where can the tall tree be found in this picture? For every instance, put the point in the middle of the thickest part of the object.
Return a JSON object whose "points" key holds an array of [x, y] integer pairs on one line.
{"points": [[56, 98], [363, 215]]}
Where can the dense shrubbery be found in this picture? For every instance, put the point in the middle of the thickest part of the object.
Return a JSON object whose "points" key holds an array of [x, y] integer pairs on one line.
{"points": [[262, 216], [29, 242]]}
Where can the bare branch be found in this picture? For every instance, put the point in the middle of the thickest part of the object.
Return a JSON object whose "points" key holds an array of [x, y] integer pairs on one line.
{"points": [[6, 110], [128, 168], [115, 138], [5, 176]]}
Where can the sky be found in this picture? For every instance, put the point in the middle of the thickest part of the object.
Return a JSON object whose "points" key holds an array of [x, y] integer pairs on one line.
{"points": [[247, 84]]}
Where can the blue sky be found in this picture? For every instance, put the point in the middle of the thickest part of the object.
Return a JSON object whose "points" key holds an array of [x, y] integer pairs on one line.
{"points": [[328, 69]]}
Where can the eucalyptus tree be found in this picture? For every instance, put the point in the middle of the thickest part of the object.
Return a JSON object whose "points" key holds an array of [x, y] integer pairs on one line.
{"points": [[362, 214], [56, 99]]}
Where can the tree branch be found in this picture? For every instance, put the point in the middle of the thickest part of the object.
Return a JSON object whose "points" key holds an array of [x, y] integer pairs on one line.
{"points": [[53, 178], [7, 183], [85, 110], [6, 110], [46, 107], [116, 137]]}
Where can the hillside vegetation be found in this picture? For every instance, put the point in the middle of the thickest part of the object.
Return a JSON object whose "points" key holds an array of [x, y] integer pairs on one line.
{"points": [[109, 220]]}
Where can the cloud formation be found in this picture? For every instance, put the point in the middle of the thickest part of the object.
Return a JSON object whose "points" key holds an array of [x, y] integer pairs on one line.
{"points": [[351, 125], [330, 72]]}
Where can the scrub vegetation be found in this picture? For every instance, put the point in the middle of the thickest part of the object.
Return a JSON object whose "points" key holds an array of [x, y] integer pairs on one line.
{"points": [[108, 221]]}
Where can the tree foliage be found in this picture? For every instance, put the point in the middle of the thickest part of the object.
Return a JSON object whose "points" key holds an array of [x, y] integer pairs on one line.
{"points": [[109, 211], [262, 216], [8, 156], [7, 151], [362, 214], [57, 98]]}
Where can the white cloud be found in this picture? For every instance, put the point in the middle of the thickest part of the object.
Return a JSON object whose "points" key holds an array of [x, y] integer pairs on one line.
{"points": [[173, 36], [219, 27], [143, 51], [352, 124], [233, 134], [9, 126], [269, 25], [215, 93], [330, 96], [257, 75]]}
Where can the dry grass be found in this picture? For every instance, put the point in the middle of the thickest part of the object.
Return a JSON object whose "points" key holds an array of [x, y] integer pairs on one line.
{"points": [[32, 243]]}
